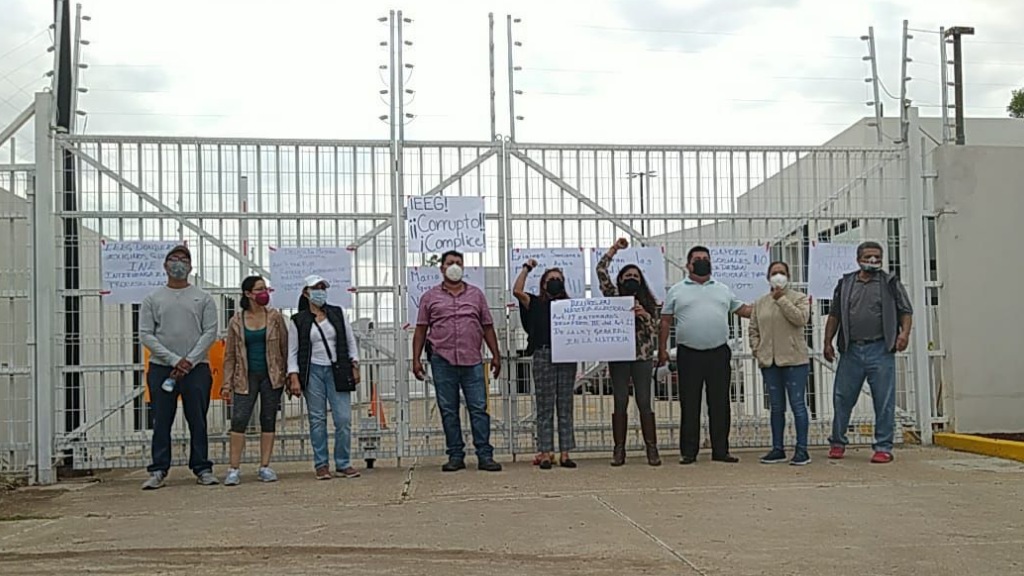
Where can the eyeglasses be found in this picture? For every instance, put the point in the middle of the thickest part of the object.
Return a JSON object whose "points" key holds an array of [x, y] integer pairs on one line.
{"points": [[180, 259]]}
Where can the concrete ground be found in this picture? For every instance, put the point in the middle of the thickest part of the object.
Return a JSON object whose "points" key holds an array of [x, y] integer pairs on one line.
{"points": [[932, 512]]}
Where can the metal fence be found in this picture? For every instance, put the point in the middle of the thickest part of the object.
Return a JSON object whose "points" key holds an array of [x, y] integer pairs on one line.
{"points": [[236, 200], [16, 382]]}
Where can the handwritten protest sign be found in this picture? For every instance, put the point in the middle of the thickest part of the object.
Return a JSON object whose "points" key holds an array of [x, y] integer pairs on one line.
{"points": [[423, 279], [650, 260], [289, 267], [442, 223], [827, 264], [570, 260], [742, 268], [593, 330], [132, 269]]}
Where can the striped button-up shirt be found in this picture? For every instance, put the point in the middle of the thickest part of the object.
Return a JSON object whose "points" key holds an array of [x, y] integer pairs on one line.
{"points": [[455, 323]]}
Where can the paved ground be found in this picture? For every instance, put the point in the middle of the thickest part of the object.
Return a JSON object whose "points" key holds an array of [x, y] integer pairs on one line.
{"points": [[931, 513]]}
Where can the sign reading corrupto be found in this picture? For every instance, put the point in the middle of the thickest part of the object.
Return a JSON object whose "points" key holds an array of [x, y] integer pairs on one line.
{"points": [[440, 223]]}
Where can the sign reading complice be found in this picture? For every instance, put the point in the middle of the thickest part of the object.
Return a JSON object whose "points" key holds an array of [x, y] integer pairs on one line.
{"points": [[132, 269], [441, 223], [827, 264], [593, 330], [289, 267]]}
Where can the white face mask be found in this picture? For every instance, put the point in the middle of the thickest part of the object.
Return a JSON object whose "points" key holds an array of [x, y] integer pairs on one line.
{"points": [[453, 273], [779, 281]]}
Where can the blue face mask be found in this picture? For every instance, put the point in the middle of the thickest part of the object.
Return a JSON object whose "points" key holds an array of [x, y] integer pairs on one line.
{"points": [[318, 297]]}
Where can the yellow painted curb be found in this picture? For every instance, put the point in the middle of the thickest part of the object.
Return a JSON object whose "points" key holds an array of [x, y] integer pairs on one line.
{"points": [[989, 447]]}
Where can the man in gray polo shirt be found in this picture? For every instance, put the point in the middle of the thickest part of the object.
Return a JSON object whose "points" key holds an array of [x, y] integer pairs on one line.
{"points": [[178, 324], [872, 314], [700, 308]]}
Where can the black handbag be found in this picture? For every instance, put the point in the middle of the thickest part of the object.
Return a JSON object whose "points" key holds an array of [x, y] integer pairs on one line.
{"points": [[341, 369]]}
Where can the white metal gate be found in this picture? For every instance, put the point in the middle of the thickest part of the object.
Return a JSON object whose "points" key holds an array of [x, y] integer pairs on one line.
{"points": [[234, 200], [16, 381]]}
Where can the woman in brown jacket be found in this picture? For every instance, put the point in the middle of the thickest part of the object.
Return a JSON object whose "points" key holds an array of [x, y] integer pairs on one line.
{"points": [[780, 346], [255, 366]]}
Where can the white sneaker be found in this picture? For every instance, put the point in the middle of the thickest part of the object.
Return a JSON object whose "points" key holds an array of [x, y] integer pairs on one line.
{"points": [[234, 477], [156, 480], [267, 474]]}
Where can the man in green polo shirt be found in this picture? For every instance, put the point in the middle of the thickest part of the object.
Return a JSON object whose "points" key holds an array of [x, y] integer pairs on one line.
{"points": [[700, 308]]}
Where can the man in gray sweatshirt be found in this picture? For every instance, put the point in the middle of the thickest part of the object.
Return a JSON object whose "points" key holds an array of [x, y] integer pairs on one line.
{"points": [[178, 324]]}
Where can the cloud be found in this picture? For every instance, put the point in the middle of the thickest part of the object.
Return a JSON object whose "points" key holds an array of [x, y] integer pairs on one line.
{"points": [[695, 26]]}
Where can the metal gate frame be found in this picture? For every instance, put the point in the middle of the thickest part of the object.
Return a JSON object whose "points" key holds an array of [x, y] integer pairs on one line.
{"points": [[513, 428]]}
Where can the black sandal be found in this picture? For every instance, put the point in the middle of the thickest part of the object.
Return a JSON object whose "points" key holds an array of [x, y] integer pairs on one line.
{"points": [[545, 464], [568, 463]]}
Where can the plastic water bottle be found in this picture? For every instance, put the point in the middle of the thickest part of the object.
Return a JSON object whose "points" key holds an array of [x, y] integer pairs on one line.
{"points": [[168, 385]]}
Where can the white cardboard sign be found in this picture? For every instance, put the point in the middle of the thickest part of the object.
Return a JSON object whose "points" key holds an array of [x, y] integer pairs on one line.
{"points": [[133, 268], [827, 264], [742, 268], [289, 267], [570, 260], [593, 330], [423, 279], [650, 260], [437, 224]]}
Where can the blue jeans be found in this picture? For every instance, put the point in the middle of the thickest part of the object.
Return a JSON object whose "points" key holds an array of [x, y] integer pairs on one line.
{"points": [[791, 381], [448, 380], [319, 391], [874, 362]]}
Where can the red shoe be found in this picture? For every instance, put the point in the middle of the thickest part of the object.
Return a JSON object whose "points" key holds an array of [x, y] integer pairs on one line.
{"points": [[881, 458], [836, 453]]}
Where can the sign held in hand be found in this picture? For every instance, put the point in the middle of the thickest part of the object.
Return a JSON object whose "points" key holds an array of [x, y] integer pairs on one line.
{"points": [[593, 330]]}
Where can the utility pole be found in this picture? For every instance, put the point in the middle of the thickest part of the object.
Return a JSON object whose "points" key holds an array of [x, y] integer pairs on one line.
{"points": [[68, 194], [958, 77], [877, 103], [642, 176], [904, 79], [511, 82], [490, 49]]}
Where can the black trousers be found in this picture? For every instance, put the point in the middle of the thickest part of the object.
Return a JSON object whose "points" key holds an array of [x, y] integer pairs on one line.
{"points": [[698, 368], [194, 390]]}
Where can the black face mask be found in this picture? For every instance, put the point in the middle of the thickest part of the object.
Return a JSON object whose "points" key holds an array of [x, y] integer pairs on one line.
{"points": [[630, 287], [555, 287], [702, 267]]}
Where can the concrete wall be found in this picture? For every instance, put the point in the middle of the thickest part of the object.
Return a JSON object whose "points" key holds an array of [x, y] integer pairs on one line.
{"points": [[978, 193]]}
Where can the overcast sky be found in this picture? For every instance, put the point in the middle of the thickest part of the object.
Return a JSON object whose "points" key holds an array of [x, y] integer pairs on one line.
{"points": [[622, 71]]}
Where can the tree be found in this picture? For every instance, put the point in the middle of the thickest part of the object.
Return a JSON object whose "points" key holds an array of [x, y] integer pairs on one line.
{"points": [[1016, 107]]}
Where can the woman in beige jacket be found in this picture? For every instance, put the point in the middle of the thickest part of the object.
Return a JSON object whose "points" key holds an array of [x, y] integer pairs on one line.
{"points": [[780, 346], [255, 367]]}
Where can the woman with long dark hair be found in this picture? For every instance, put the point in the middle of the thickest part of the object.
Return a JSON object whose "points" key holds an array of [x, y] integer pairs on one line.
{"points": [[255, 363], [553, 382], [630, 281], [778, 341], [323, 366]]}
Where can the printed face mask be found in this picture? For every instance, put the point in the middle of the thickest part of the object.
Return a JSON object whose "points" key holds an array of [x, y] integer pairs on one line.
{"points": [[318, 297], [178, 270], [871, 265], [453, 273]]}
